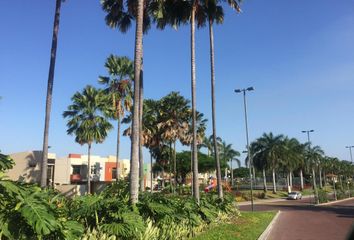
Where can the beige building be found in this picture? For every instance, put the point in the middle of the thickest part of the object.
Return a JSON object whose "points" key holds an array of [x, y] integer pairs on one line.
{"points": [[28, 166]]}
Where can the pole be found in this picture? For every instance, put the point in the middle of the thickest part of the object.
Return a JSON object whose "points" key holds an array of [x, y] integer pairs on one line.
{"points": [[351, 156], [313, 170], [248, 147]]}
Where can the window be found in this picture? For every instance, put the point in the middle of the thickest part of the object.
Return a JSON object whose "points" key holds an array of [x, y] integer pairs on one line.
{"points": [[114, 173], [76, 169]]}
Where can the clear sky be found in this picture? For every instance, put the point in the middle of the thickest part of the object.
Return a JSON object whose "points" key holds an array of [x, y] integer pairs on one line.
{"points": [[298, 55]]}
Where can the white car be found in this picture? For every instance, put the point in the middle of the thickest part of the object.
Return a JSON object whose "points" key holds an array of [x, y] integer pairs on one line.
{"points": [[294, 195]]}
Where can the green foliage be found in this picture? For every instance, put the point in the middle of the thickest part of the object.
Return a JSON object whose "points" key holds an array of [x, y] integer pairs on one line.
{"points": [[241, 172], [29, 212], [6, 162], [322, 196]]}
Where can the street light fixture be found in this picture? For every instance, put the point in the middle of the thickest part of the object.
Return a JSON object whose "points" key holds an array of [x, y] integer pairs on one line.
{"points": [[313, 170], [244, 90], [350, 150]]}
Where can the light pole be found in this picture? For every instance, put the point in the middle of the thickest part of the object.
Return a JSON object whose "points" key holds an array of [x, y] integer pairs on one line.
{"points": [[313, 169], [244, 90], [350, 150]]}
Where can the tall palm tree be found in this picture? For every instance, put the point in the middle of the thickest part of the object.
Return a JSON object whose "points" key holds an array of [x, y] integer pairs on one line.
{"points": [[48, 107], [86, 120], [118, 87], [215, 13], [119, 15]]}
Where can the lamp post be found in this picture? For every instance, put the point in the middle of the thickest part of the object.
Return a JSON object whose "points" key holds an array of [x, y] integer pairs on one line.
{"points": [[244, 90], [350, 151], [313, 169]]}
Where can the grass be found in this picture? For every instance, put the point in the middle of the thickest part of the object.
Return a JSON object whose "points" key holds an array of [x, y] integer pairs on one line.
{"points": [[248, 226]]}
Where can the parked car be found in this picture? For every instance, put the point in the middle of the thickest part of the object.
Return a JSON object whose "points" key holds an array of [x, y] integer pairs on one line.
{"points": [[294, 195]]}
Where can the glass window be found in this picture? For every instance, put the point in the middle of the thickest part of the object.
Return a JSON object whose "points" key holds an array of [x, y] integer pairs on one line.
{"points": [[76, 169]]}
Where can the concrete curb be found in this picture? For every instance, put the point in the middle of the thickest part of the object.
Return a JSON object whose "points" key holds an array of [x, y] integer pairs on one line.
{"points": [[332, 202], [265, 234]]}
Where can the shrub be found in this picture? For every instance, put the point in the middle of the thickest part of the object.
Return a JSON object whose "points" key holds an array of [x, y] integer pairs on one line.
{"points": [[322, 196]]}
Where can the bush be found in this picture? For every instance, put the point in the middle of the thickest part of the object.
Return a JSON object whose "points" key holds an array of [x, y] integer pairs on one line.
{"points": [[322, 196], [29, 212], [341, 194]]}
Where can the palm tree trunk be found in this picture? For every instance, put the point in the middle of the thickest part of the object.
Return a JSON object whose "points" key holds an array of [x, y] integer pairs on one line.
{"points": [[232, 174], [192, 188], [48, 105], [274, 184], [320, 176], [174, 163], [254, 175], [141, 102], [151, 173], [134, 158], [314, 185], [117, 154], [301, 180], [291, 178], [213, 102], [264, 181], [89, 169], [288, 182], [194, 106], [324, 178]]}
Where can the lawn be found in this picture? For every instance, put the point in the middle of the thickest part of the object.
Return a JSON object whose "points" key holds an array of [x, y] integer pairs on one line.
{"points": [[248, 226]]}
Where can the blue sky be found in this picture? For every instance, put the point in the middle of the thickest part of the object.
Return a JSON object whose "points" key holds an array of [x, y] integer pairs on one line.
{"points": [[299, 56]]}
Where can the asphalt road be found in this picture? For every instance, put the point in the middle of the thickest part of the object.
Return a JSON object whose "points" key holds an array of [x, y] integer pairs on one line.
{"points": [[301, 220]]}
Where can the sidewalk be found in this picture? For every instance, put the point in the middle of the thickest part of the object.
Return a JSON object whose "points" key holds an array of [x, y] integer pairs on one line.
{"points": [[262, 201]]}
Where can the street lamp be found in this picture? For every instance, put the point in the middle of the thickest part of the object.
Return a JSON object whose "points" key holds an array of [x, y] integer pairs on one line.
{"points": [[244, 90], [313, 169], [350, 150]]}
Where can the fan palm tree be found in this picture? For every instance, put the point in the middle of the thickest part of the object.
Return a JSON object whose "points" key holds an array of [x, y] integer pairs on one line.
{"points": [[189, 138], [118, 87], [119, 15], [48, 107], [175, 114], [86, 120]]}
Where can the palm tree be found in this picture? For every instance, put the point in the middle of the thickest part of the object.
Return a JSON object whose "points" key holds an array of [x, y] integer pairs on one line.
{"points": [[270, 148], [215, 13], [120, 17], [175, 114], [228, 154], [53, 54], [118, 87], [208, 143], [189, 138], [86, 120], [259, 161], [291, 158], [314, 155]]}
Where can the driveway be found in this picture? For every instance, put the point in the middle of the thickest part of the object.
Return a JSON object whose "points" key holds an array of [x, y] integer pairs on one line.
{"points": [[300, 219]]}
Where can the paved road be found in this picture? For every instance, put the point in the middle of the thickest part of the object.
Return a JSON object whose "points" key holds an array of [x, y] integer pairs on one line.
{"points": [[300, 220]]}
